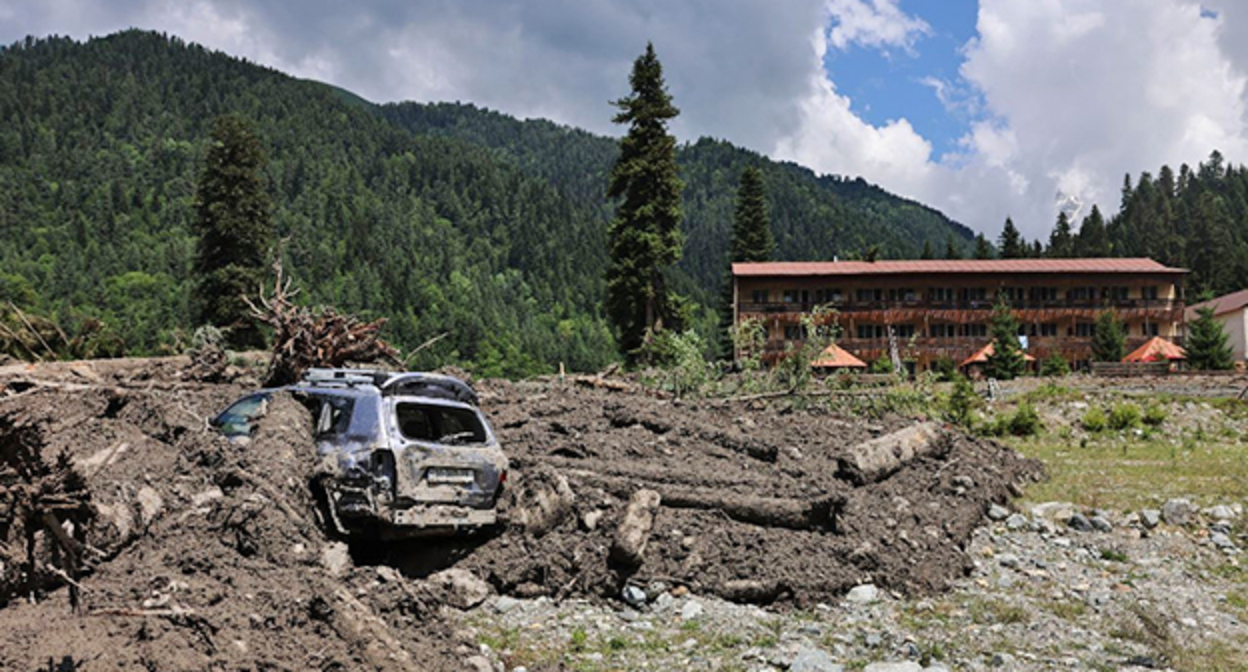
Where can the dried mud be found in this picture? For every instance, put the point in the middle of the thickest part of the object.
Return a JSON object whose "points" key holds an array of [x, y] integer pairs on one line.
{"points": [[210, 556]]}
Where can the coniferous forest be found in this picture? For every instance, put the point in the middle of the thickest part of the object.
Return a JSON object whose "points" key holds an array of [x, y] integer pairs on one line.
{"points": [[442, 218]]}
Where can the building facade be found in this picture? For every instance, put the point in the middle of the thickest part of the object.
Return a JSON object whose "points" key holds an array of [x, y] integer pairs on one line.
{"points": [[943, 308]]}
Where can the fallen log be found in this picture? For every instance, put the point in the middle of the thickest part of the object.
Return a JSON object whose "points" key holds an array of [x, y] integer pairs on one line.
{"points": [[879, 458]]}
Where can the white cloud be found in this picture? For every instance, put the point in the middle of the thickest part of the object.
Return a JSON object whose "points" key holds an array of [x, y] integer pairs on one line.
{"points": [[873, 23]]}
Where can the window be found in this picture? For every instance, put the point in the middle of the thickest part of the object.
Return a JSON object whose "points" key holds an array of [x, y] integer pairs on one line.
{"points": [[1149, 293], [824, 296], [1012, 294], [796, 296], [1114, 293], [1149, 329], [975, 330], [901, 295], [1081, 294], [440, 424], [943, 330], [759, 296], [333, 415], [942, 295], [869, 295], [974, 294], [794, 332], [869, 331], [1038, 294], [1084, 329], [903, 330], [1048, 329], [236, 420]]}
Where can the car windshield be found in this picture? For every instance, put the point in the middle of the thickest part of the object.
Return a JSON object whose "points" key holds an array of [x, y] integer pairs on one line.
{"points": [[236, 420], [439, 424]]}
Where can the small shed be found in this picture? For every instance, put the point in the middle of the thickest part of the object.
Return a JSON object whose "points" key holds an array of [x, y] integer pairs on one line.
{"points": [[1156, 349], [974, 365], [834, 357]]}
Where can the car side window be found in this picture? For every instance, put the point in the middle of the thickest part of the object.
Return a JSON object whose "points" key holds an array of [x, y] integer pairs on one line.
{"points": [[334, 417], [236, 420]]}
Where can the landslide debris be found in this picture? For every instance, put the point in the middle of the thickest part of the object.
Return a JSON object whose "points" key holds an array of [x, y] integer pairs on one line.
{"points": [[209, 555]]}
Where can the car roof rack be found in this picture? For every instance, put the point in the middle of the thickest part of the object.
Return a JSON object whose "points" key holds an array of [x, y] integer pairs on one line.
{"points": [[345, 377]]}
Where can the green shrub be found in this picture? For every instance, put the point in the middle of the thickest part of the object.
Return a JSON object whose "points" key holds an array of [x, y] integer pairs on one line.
{"points": [[1054, 365], [1025, 421], [945, 368], [961, 402], [1155, 415], [1094, 420], [1124, 416], [882, 365]]}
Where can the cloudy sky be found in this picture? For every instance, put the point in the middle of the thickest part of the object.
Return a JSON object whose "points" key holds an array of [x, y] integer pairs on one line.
{"points": [[981, 109]]}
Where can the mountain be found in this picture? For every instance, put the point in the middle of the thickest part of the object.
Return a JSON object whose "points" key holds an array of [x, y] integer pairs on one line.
{"points": [[441, 218]]}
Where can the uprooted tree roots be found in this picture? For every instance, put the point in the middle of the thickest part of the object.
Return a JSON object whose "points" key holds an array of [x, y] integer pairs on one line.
{"points": [[305, 337], [45, 514]]}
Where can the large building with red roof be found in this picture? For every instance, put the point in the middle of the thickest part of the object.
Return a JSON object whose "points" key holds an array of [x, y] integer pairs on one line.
{"points": [[942, 308]]}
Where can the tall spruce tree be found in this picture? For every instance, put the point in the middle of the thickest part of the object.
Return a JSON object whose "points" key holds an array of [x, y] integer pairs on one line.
{"points": [[1108, 340], [928, 252], [1093, 240], [752, 240], [1062, 240], [952, 251], [1207, 346], [644, 239], [1011, 244], [982, 251], [1006, 361], [232, 218]]}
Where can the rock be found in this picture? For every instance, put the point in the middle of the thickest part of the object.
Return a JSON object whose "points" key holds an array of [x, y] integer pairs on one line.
{"points": [[1220, 512], [1222, 541], [478, 664], [1177, 512], [210, 495], [1016, 521], [997, 512], [863, 594], [1101, 524], [150, 505], [1150, 518], [664, 602], [336, 558], [590, 519], [691, 611], [634, 596], [1002, 660], [1058, 512], [937, 667], [633, 533], [460, 588], [962, 481], [1079, 523], [813, 660], [1008, 560], [505, 604], [904, 666]]}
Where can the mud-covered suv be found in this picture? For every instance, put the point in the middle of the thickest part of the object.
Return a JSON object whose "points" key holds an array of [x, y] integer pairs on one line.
{"points": [[400, 454]]}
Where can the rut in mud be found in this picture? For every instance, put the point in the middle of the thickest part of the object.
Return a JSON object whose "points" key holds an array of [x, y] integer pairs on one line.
{"points": [[205, 555]]}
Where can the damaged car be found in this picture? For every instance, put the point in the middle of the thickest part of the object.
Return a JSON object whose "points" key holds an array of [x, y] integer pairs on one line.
{"points": [[398, 454]]}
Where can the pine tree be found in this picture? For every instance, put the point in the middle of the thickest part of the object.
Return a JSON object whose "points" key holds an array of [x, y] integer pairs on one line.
{"points": [[1006, 361], [1092, 241], [1207, 346], [1062, 241], [1108, 340], [644, 239], [982, 251], [952, 251], [1011, 243], [232, 209], [752, 240], [928, 252]]}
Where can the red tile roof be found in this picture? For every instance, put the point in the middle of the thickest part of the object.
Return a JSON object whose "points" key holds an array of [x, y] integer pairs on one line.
{"points": [[1156, 349], [836, 357], [1221, 305], [817, 268], [981, 356]]}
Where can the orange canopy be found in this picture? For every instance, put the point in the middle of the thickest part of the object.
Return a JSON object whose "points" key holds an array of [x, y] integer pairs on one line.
{"points": [[1155, 350], [981, 356], [836, 357]]}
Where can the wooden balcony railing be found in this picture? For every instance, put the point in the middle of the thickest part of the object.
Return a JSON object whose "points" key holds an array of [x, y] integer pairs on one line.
{"points": [[854, 306]]}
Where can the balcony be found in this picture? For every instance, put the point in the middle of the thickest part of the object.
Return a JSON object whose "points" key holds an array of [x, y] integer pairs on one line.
{"points": [[985, 304], [959, 347]]}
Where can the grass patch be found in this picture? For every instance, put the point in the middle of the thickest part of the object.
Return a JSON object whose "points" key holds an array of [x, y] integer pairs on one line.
{"points": [[989, 611], [1113, 555]]}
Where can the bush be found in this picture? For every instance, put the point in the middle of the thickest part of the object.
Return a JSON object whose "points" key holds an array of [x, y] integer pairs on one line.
{"points": [[882, 365], [1155, 415], [1054, 365], [1124, 416], [962, 401], [945, 368], [1025, 421], [1094, 420]]}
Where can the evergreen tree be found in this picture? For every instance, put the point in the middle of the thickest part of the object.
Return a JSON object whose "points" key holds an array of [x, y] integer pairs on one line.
{"points": [[232, 217], [1011, 243], [1108, 340], [952, 251], [982, 251], [1207, 346], [645, 237], [752, 239], [928, 252], [1006, 361], [1093, 240], [1062, 241]]}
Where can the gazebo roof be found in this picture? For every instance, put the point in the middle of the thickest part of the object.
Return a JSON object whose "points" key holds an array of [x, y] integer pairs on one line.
{"points": [[1156, 349], [981, 356], [836, 357]]}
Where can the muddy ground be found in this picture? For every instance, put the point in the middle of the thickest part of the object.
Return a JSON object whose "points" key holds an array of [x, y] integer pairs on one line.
{"points": [[203, 555]]}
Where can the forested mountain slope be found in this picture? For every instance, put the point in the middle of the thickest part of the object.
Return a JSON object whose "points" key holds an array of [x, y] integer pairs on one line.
{"points": [[442, 218]]}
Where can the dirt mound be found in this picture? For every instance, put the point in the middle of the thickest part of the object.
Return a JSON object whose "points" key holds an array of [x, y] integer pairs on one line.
{"points": [[205, 554]]}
